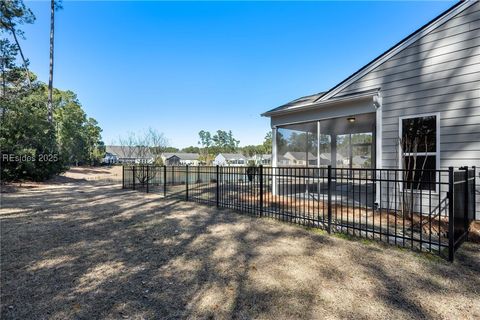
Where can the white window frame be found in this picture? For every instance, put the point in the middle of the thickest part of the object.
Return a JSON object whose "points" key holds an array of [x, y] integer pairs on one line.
{"points": [[437, 145]]}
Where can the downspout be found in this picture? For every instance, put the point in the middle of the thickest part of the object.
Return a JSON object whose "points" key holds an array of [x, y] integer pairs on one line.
{"points": [[274, 161]]}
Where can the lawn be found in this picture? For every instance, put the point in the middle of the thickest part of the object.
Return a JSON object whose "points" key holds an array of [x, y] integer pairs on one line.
{"points": [[89, 250]]}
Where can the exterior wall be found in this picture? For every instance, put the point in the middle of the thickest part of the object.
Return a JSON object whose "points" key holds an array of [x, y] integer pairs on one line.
{"points": [[175, 160], [144, 160], [110, 159], [260, 160], [172, 161], [440, 73], [237, 162], [219, 160], [189, 162]]}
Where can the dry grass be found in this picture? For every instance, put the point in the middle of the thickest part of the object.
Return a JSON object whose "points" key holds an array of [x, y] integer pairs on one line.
{"points": [[92, 251]]}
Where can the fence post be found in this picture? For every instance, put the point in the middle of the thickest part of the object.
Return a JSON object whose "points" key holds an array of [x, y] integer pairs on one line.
{"points": [[261, 190], [467, 203], [123, 176], [218, 188], [329, 203], [148, 178], [451, 216], [164, 181], [474, 192], [186, 182], [133, 171]]}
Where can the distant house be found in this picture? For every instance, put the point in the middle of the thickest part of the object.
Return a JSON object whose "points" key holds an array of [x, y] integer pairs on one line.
{"points": [[361, 161], [300, 158], [110, 158], [325, 159], [124, 154], [282, 161], [230, 159], [261, 159], [180, 159]]}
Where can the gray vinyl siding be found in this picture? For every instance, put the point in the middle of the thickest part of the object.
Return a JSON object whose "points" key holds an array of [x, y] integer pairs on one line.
{"points": [[440, 72]]}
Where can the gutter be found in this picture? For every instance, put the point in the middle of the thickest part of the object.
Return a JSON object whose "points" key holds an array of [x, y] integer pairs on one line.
{"points": [[309, 106]]}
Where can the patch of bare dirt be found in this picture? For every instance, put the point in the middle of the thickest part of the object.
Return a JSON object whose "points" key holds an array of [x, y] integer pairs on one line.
{"points": [[93, 251], [105, 173], [16, 186]]}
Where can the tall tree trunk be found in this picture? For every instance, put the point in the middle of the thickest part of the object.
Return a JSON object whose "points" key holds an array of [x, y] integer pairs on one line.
{"points": [[4, 92], [50, 78], [21, 55], [4, 82]]}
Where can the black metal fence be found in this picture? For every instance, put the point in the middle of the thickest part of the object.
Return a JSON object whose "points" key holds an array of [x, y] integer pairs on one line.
{"points": [[426, 210]]}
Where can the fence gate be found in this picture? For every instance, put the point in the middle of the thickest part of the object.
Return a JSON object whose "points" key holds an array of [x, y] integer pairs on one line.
{"points": [[463, 206]]}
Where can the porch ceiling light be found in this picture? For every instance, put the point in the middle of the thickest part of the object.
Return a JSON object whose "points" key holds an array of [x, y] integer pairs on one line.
{"points": [[351, 119]]}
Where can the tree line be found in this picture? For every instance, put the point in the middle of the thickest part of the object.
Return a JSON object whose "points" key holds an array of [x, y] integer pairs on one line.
{"points": [[43, 129], [210, 144]]}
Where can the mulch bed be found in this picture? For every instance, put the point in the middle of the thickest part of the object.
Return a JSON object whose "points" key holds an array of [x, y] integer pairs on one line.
{"points": [[359, 214]]}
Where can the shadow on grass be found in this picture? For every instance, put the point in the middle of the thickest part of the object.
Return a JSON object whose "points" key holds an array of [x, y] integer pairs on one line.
{"points": [[92, 251]]}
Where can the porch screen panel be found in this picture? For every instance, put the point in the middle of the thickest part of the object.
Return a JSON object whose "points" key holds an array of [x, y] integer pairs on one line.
{"points": [[362, 144], [343, 156], [297, 145], [325, 150]]}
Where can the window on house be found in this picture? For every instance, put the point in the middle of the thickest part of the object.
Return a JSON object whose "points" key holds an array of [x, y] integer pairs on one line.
{"points": [[419, 148]]}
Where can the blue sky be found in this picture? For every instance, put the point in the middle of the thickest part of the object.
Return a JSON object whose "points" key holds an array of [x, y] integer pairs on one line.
{"points": [[181, 67]]}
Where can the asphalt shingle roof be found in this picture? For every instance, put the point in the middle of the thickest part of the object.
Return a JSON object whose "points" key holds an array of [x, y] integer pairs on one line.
{"points": [[182, 155], [129, 152], [233, 156]]}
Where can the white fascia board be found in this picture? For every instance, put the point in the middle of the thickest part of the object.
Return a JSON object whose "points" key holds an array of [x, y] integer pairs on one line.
{"points": [[360, 96]]}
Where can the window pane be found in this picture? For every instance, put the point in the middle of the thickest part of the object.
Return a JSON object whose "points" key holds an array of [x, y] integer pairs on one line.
{"points": [[420, 174], [419, 134]]}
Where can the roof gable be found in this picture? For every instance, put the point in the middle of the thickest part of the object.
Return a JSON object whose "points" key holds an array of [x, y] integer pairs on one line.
{"points": [[181, 155], [397, 48], [335, 94], [299, 155], [232, 156]]}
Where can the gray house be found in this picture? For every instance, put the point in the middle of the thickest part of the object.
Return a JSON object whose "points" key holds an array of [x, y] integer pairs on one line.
{"points": [[300, 158], [127, 154], [260, 159], [430, 79], [230, 159], [180, 159]]}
